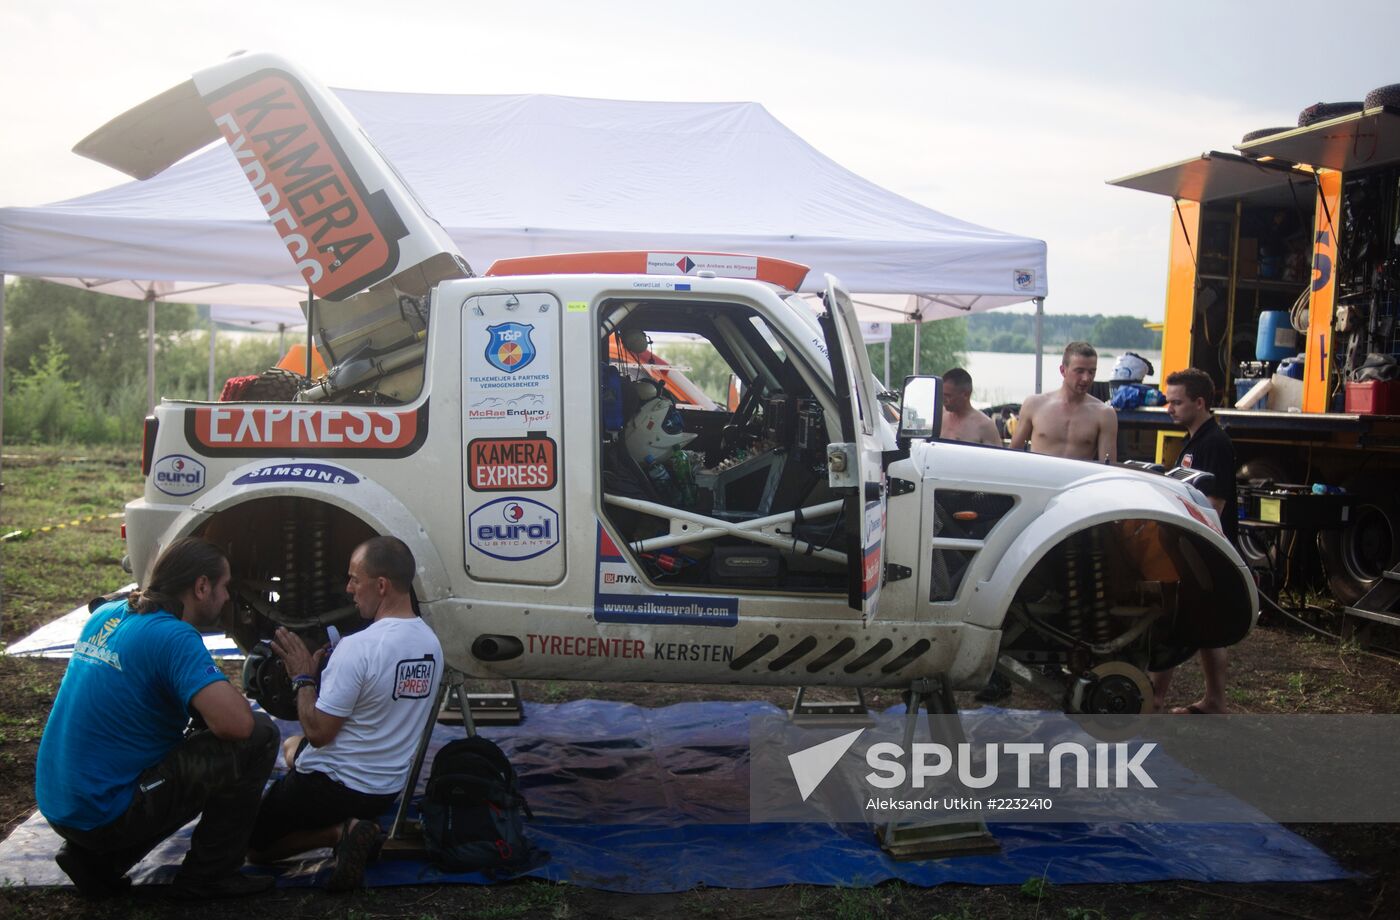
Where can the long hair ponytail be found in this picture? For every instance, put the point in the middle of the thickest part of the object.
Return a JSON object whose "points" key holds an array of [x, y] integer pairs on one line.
{"points": [[175, 572]]}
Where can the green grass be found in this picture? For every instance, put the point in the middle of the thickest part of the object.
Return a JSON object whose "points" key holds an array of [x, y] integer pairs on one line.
{"points": [[525, 898], [50, 571]]}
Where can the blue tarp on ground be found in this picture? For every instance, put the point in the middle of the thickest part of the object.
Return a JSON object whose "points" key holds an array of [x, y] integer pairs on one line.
{"points": [[655, 800]]}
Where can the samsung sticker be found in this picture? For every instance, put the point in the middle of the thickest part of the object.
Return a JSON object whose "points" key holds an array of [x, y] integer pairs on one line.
{"points": [[322, 473]]}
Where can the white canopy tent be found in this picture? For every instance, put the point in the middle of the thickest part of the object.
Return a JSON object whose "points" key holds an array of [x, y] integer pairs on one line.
{"points": [[523, 175]]}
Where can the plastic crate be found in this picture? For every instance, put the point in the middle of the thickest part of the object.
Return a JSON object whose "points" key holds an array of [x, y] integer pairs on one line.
{"points": [[1374, 397], [1295, 506]]}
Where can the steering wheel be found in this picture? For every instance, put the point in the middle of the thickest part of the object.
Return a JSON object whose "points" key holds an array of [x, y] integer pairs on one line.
{"points": [[735, 430]]}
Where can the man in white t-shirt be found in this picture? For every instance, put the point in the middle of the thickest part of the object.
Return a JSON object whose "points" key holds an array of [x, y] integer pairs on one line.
{"points": [[362, 725]]}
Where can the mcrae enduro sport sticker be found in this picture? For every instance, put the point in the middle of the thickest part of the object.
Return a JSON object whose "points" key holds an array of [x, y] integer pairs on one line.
{"points": [[514, 528]]}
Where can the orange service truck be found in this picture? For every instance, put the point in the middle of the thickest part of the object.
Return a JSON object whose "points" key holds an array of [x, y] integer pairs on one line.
{"points": [[1284, 286]]}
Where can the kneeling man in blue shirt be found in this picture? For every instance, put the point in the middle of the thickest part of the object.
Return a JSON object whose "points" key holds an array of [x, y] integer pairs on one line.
{"points": [[117, 771]]}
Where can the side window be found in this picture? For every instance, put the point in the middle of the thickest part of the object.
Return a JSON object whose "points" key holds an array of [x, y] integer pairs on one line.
{"points": [[708, 423]]}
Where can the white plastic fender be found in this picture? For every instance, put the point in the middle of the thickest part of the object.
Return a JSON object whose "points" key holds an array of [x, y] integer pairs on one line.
{"points": [[1115, 496], [365, 499]]}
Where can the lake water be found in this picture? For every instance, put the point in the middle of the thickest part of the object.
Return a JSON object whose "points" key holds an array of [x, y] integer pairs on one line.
{"points": [[1008, 378]]}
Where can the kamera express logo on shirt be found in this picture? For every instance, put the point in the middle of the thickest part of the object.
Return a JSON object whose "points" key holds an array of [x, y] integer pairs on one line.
{"points": [[413, 678]]}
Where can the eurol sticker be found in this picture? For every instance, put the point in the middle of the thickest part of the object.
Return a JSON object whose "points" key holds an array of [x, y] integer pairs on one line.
{"points": [[176, 474], [514, 528]]}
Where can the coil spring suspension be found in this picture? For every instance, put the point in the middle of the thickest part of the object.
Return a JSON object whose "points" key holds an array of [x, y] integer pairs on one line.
{"points": [[289, 601], [316, 560], [1074, 597], [1098, 591], [1086, 590]]}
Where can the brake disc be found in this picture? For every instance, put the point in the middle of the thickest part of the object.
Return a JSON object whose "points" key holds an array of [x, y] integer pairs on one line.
{"points": [[1118, 688]]}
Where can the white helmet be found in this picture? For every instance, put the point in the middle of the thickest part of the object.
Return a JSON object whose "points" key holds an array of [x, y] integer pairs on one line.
{"points": [[1131, 368], [654, 432]]}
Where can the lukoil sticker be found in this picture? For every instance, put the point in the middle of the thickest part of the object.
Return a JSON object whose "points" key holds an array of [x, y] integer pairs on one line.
{"points": [[509, 348], [299, 472], [177, 474], [514, 528]]}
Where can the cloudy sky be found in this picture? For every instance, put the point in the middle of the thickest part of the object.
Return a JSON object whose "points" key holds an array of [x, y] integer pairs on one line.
{"points": [[1010, 115]]}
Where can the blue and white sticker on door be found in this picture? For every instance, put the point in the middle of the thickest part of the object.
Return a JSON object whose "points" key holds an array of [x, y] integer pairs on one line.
{"points": [[514, 528]]}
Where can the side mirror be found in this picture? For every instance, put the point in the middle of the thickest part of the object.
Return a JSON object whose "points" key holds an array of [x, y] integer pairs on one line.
{"points": [[921, 409]]}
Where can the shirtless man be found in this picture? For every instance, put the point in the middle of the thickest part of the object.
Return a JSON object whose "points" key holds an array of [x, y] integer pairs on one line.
{"points": [[1069, 422], [961, 422]]}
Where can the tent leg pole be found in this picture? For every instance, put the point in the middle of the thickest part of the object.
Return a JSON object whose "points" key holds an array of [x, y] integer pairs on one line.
{"points": [[213, 331], [310, 330], [150, 350], [2, 361], [888, 342], [918, 327], [1039, 339], [2, 422]]}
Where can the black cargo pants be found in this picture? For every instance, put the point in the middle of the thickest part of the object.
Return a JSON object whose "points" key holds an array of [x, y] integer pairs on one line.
{"points": [[223, 780]]}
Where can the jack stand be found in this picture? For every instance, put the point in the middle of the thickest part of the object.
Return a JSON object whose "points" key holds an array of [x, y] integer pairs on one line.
{"points": [[484, 708], [804, 712], [1022, 676], [405, 840], [925, 838]]}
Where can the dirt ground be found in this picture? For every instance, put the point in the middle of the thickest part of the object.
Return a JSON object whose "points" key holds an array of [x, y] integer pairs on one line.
{"points": [[1276, 669]]}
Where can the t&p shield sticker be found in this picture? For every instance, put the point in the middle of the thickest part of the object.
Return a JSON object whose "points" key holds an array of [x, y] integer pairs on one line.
{"points": [[510, 348]]}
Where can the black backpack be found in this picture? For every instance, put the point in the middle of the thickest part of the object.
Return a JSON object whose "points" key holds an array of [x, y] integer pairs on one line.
{"points": [[473, 812]]}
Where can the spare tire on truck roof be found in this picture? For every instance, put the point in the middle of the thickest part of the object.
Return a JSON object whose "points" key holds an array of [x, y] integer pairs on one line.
{"points": [[1384, 95], [1321, 111], [1261, 132], [273, 385]]}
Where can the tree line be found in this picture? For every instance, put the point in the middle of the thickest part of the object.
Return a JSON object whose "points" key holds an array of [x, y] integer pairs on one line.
{"points": [[75, 362], [1015, 332], [75, 366]]}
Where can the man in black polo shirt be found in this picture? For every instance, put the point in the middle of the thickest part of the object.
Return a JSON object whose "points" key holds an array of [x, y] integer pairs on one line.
{"points": [[1207, 448]]}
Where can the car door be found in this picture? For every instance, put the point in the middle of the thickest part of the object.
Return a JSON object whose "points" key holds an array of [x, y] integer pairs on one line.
{"points": [[856, 466]]}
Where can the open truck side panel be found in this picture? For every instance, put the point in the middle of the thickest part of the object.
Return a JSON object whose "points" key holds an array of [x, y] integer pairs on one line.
{"points": [[1292, 224]]}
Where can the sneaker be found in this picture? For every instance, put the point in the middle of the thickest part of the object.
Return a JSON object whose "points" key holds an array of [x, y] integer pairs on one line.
{"points": [[358, 847], [92, 875], [236, 885]]}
